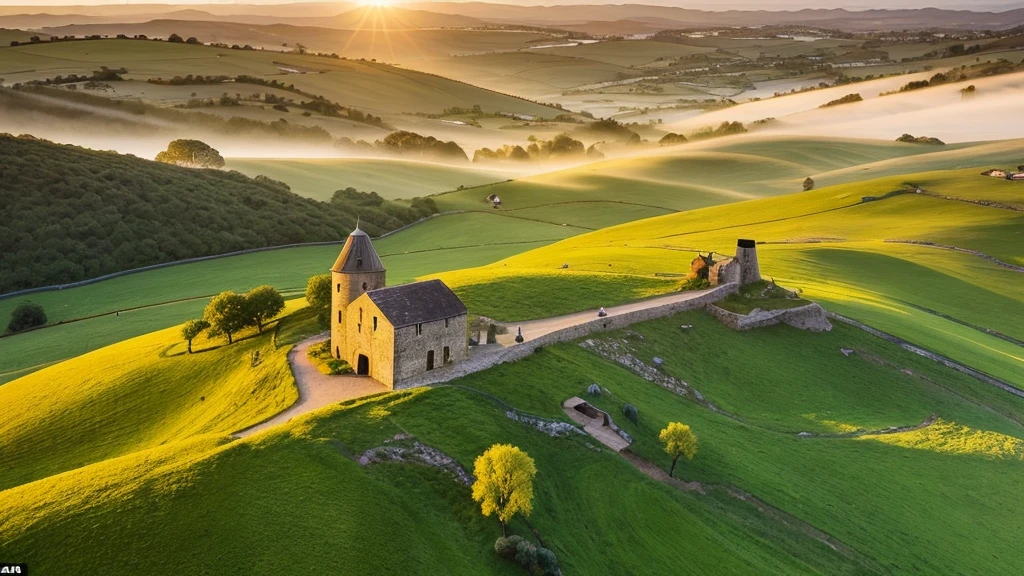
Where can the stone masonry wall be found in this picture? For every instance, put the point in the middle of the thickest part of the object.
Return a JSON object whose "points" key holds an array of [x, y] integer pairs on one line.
{"points": [[411, 349], [810, 317]]}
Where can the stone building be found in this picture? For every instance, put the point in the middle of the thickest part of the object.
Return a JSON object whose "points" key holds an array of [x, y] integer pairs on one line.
{"points": [[391, 333], [742, 269]]}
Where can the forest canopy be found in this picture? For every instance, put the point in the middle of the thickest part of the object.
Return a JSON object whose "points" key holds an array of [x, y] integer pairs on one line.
{"points": [[70, 213]]}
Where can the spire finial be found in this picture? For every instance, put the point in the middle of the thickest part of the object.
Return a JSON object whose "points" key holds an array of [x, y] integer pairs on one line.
{"points": [[357, 222]]}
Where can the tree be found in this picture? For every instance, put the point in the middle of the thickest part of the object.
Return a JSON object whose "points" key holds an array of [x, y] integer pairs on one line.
{"points": [[192, 329], [318, 296], [504, 483], [191, 154], [192, 40], [175, 38], [227, 313], [679, 441], [263, 303], [26, 315], [808, 184]]}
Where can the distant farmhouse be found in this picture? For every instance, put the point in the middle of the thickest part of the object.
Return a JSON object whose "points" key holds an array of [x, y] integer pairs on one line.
{"points": [[392, 333]]}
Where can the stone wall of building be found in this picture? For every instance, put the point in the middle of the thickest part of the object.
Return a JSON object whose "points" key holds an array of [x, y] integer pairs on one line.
{"points": [[811, 317], [376, 344], [345, 289], [411, 348]]}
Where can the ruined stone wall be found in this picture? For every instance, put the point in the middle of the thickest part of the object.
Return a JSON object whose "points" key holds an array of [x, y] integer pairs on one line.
{"points": [[811, 317], [377, 345], [411, 348]]}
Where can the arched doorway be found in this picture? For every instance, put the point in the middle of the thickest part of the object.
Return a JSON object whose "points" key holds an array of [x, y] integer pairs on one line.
{"points": [[363, 365]]}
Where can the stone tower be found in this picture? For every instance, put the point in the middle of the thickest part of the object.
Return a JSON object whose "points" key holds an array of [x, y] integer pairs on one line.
{"points": [[358, 269], [746, 256]]}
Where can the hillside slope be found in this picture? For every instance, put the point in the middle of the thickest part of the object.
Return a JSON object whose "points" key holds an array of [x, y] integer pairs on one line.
{"points": [[72, 213]]}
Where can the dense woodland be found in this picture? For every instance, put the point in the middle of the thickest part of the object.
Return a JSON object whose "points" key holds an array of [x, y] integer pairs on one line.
{"points": [[70, 213]]}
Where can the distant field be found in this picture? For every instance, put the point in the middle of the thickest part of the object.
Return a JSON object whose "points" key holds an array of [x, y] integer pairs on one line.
{"points": [[832, 245], [625, 53], [320, 178], [363, 84]]}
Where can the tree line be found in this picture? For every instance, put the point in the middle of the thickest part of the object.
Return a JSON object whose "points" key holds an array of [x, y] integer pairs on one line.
{"points": [[68, 213]]}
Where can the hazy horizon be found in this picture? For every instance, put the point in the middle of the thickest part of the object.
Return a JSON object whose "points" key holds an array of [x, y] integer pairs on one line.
{"points": [[989, 5]]}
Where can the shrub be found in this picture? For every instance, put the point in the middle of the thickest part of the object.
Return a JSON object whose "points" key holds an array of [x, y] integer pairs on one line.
{"points": [[506, 547], [526, 554], [26, 315], [808, 184], [547, 561], [695, 283], [594, 390], [631, 413]]}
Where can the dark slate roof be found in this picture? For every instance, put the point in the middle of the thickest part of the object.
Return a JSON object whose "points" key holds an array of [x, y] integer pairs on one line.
{"points": [[409, 304], [358, 255]]}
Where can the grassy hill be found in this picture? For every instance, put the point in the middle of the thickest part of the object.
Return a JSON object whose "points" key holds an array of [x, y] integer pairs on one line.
{"points": [[898, 503], [74, 214], [319, 177], [837, 244]]}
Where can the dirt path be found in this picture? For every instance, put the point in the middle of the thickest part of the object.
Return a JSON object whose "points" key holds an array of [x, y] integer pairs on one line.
{"points": [[316, 390], [533, 329]]}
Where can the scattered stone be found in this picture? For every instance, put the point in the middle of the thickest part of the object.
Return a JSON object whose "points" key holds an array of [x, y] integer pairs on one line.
{"points": [[418, 453], [805, 434], [594, 389], [846, 351], [658, 362], [686, 326], [552, 428]]}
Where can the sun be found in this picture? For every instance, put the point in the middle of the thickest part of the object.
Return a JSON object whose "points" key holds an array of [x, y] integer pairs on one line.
{"points": [[377, 3]]}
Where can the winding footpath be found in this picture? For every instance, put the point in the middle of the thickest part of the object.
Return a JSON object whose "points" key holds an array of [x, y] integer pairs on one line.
{"points": [[316, 389]]}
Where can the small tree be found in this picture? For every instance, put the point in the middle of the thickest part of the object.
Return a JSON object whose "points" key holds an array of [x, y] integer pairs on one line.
{"points": [[227, 313], [175, 38], [679, 441], [191, 154], [808, 184], [504, 483], [263, 303], [26, 315], [318, 295], [192, 329]]}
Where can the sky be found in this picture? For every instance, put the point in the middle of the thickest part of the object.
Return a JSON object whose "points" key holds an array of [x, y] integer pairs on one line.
{"points": [[976, 5]]}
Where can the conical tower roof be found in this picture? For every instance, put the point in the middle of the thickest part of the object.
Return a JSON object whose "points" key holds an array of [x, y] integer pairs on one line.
{"points": [[358, 255]]}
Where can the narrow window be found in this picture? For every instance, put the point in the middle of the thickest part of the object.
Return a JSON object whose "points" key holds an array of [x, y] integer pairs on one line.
{"points": [[339, 316], [364, 286], [419, 329], [339, 286], [359, 263], [360, 315], [337, 352], [445, 322], [359, 328], [374, 323], [430, 359], [447, 355]]}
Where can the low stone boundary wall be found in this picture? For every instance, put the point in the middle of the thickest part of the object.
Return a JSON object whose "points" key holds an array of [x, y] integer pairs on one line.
{"points": [[811, 317], [484, 359]]}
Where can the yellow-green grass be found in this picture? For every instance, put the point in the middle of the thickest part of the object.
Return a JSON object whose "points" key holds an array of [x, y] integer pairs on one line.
{"points": [[294, 498], [363, 84], [320, 177], [164, 297], [913, 509], [832, 245], [142, 393]]}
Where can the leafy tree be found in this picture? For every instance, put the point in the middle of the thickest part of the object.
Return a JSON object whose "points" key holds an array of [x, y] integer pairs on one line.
{"points": [[175, 38], [679, 440], [808, 184], [191, 154], [504, 483], [192, 329], [26, 315], [192, 40], [318, 295], [263, 303], [227, 313]]}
